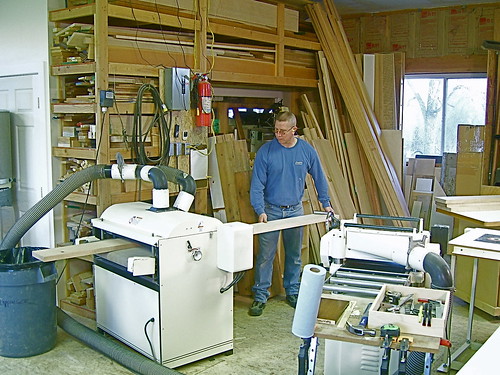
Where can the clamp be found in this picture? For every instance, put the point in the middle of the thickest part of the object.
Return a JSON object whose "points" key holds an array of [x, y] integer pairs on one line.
{"points": [[388, 332]]}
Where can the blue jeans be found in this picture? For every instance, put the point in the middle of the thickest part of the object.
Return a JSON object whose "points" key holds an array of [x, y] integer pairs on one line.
{"points": [[268, 242]]}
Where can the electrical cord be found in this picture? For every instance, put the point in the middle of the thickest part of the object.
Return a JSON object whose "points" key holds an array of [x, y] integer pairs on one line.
{"points": [[147, 336], [236, 279], [139, 135]]}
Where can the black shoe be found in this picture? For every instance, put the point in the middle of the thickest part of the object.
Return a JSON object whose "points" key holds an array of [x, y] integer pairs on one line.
{"points": [[256, 308], [292, 300]]}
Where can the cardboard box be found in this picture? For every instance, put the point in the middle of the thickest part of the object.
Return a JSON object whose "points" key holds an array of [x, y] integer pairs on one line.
{"points": [[409, 324], [469, 173], [470, 138], [330, 310]]}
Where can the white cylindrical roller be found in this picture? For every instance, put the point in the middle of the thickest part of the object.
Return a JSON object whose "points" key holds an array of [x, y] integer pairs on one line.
{"points": [[161, 198], [127, 172], [306, 311], [183, 201]]}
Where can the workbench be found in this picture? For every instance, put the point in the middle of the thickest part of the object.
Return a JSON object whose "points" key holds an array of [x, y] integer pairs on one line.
{"points": [[482, 211], [475, 243], [337, 332]]}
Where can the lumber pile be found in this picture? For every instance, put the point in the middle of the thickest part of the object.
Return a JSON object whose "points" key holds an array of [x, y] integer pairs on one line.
{"points": [[359, 120], [468, 203]]}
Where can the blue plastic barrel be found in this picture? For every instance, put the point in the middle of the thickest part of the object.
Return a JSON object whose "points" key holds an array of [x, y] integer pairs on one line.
{"points": [[27, 304]]}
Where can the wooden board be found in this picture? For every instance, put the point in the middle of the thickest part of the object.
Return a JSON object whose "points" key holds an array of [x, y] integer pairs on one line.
{"points": [[76, 251], [290, 222], [338, 187]]}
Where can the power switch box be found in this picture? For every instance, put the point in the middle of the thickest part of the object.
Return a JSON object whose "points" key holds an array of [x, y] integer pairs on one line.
{"points": [[177, 88], [106, 98], [235, 247]]}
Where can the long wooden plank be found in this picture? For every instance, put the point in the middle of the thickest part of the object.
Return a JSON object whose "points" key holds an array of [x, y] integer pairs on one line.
{"points": [[290, 222], [358, 175], [76, 251], [341, 61], [338, 186]]}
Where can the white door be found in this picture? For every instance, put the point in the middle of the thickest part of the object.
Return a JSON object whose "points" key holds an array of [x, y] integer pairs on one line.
{"points": [[22, 92]]}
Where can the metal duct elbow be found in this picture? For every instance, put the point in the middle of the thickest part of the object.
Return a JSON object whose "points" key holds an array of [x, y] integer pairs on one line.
{"points": [[440, 272]]}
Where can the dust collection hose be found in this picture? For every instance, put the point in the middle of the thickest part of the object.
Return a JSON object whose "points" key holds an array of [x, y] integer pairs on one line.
{"points": [[125, 357], [61, 191], [159, 176], [119, 353]]}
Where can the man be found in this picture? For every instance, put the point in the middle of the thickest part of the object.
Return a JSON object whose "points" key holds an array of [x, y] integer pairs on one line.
{"points": [[276, 191]]}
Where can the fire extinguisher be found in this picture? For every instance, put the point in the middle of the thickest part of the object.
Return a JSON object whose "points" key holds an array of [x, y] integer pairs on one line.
{"points": [[204, 110]]}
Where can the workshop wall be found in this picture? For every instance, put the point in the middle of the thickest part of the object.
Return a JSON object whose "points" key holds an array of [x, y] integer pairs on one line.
{"points": [[439, 39]]}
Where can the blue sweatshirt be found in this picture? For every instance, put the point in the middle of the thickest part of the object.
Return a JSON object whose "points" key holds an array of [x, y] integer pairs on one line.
{"points": [[279, 174]]}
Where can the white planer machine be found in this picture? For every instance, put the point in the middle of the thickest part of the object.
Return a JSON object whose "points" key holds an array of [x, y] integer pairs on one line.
{"points": [[166, 297], [362, 257]]}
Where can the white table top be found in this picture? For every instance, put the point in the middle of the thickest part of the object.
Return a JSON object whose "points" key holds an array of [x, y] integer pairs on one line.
{"points": [[485, 360], [480, 239]]}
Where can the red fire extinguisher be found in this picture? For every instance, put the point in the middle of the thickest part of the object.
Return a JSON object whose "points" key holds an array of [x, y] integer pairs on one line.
{"points": [[204, 110]]}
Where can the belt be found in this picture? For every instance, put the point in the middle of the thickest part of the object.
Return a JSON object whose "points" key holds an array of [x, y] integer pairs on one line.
{"points": [[284, 207]]}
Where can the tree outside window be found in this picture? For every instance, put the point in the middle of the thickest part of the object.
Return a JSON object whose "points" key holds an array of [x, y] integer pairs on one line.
{"points": [[434, 106]]}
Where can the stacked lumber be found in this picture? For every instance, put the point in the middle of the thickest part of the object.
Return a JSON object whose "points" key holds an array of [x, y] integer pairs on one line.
{"points": [[359, 112], [468, 203]]}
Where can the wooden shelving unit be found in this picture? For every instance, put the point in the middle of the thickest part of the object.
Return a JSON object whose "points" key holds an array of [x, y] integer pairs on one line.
{"points": [[138, 39], [115, 45]]}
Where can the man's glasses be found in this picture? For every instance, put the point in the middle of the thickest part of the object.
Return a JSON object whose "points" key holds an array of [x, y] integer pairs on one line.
{"points": [[282, 131]]}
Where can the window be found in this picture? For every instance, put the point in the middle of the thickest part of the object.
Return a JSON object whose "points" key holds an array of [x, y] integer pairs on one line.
{"points": [[434, 106]]}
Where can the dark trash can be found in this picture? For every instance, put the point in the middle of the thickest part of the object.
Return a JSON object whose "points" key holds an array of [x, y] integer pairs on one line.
{"points": [[28, 323]]}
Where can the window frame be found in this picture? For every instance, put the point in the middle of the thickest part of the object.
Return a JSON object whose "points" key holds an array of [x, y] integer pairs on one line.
{"points": [[446, 77]]}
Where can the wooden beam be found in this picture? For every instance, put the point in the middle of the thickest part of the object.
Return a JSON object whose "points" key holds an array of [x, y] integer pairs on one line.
{"points": [[76, 251], [290, 222], [140, 15], [279, 60], [72, 13], [446, 64], [101, 83], [200, 37], [255, 79]]}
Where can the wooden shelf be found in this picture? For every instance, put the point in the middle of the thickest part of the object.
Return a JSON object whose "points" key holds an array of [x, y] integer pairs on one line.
{"points": [[74, 152], [74, 108], [82, 198], [84, 68]]}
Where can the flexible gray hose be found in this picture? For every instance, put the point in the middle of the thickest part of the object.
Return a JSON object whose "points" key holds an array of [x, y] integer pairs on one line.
{"points": [[61, 191], [113, 350], [416, 363], [186, 181]]}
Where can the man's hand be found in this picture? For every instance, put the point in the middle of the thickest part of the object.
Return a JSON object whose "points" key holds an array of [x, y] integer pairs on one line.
{"points": [[263, 218], [328, 209]]}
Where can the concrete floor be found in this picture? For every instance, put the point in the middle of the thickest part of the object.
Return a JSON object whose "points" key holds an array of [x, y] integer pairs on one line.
{"points": [[262, 345]]}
